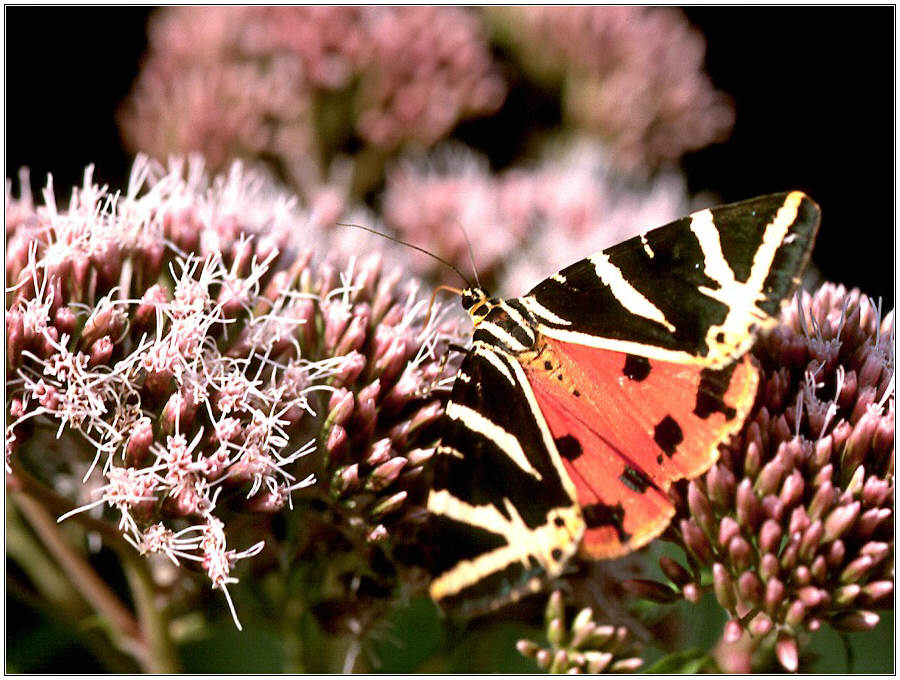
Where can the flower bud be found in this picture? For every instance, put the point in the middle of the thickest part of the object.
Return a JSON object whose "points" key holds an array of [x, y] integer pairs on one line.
{"points": [[674, 571], [696, 541], [748, 508], [723, 587], [389, 505], [733, 631], [383, 475], [774, 595], [854, 621], [786, 652], [840, 520], [810, 541], [750, 588], [701, 510], [651, 590], [139, 442]]}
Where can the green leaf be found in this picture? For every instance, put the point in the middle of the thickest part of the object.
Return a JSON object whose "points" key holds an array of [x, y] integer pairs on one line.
{"points": [[688, 661], [491, 648], [411, 636], [228, 650]]}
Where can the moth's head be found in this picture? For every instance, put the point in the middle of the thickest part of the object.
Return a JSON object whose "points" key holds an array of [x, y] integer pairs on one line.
{"points": [[476, 303]]}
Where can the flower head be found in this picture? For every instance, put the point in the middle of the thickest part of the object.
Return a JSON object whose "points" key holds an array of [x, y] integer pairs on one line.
{"points": [[200, 366]]}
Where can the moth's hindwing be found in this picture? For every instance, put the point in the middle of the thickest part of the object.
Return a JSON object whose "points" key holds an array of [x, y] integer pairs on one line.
{"points": [[693, 291], [627, 427], [581, 402], [503, 511]]}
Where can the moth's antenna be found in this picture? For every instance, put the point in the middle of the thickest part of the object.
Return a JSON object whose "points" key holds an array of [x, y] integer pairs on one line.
{"points": [[469, 248], [415, 247], [434, 293]]}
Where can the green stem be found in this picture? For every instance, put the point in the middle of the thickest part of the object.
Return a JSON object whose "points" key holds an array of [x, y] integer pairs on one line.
{"points": [[161, 655], [45, 576], [81, 575]]}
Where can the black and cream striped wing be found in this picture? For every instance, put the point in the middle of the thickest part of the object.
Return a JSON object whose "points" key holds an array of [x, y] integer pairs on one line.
{"points": [[503, 510], [693, 291]]}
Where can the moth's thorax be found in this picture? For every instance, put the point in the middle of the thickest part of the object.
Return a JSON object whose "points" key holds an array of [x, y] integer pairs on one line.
{"points": [[500, 323]]}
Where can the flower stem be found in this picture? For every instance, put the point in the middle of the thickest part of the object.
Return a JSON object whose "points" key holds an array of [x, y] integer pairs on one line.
{"points": [[82, 576], [161, 655]]}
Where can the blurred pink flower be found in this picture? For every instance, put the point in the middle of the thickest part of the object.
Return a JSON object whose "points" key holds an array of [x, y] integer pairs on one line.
{"points": [[632, 75], [290, 85]]}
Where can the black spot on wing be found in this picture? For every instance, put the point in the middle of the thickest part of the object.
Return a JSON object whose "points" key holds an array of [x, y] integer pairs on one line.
{"points": [[598, 515], [711, 392], [636, 480], [569, 447], [636, 368], [668, 435]]}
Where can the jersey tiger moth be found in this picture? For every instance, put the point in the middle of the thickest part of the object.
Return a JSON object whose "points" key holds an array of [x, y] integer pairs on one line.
{"points": [[580, 403]]}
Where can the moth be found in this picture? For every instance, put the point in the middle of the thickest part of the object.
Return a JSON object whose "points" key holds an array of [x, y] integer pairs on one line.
{"points": [[579, 404]]}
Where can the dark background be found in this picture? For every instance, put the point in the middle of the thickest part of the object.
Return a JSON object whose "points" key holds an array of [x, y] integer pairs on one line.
{"points": [[813, 87]]}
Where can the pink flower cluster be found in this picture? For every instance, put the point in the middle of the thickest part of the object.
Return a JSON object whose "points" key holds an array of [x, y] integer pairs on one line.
{"points": [[182, 348], [293, 84], [633, 75]]}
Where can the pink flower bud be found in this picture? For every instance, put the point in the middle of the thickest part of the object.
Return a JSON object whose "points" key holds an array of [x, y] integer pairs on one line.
{"points": [[139, 442], [650, 590], [854, 621], [786, 652], [384, 474], [100, 352], [840, 520], [723, 587], [701, 510], [389, 505], [728, 529], [674, 571], [379, 452], [750, 588], [733, 631], [65, 321]]}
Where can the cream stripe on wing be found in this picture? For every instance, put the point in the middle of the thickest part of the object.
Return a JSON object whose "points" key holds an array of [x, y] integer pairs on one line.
{"points": [[522, 543], [506, 441], [630, 298], [532, 305], [492, 355], [631, 347], [516, 316], [742, 299]]}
